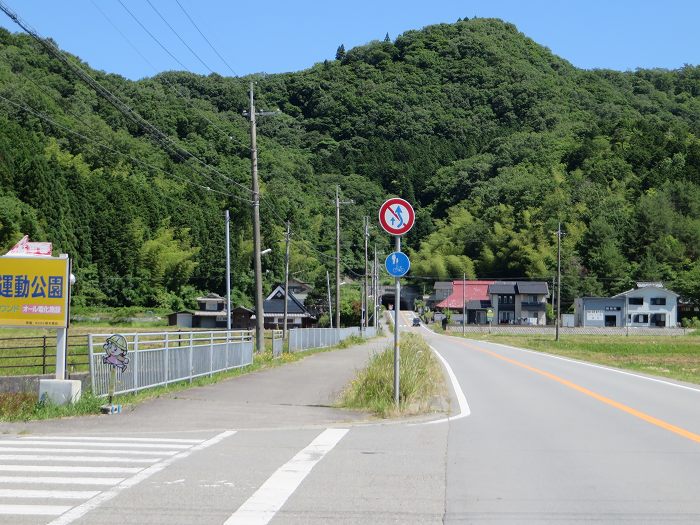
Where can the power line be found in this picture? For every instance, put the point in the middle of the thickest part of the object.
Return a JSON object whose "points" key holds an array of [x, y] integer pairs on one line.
{"points": [[179, 37], [178, 89], [205, 38], [103, 145], [157, 135]]}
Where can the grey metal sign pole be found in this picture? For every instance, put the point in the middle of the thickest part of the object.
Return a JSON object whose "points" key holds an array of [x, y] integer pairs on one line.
{"points": [[397, 312]]}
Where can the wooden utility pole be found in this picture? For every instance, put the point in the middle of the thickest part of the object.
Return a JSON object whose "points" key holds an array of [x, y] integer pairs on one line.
{"points": [[330, 308], [337, 257], [286, 282], [558, 281], [257, 246], [366, 291], [464, 304]]}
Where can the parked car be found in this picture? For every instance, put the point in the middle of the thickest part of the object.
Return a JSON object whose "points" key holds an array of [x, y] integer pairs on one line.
{"points": [[416, 321]]}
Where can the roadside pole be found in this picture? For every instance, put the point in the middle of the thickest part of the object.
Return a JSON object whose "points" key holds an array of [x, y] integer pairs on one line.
{"points": [[396, 216], [228, 272]]}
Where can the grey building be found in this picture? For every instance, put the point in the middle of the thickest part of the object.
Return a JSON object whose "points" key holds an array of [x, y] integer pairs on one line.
{"points": [[441, 291], [519, 302], [647, 305]]}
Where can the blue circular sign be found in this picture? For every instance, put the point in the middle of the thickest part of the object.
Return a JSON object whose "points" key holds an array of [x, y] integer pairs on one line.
{"points": [[397, 264]]}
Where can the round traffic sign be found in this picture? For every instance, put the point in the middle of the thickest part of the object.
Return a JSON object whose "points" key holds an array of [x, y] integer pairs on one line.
{"points": [[396, 216], [397, 264]]}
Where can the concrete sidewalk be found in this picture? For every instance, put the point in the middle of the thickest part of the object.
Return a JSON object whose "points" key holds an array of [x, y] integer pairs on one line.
{"points": [[299, 394]]}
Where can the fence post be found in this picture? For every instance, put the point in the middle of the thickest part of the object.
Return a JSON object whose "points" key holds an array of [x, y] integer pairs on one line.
{"points": [[166, 366], [211, 353], [43, 356], [191, 350], [136, 361], [92, 367]]}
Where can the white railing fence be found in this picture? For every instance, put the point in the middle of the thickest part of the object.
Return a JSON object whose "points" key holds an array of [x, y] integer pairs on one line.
{"points": [[307, 338], [161, 358]]}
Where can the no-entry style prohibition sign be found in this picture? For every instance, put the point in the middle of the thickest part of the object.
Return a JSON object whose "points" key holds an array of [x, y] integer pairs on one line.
{"points": [[396, 216]]}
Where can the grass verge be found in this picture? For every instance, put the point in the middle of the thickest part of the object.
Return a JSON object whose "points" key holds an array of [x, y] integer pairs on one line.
{"points": [[673, 357], [420, 380], [27, 406]]}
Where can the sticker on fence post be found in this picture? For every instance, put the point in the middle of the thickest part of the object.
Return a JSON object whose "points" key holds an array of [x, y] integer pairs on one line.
{"points": [[115, 348]]}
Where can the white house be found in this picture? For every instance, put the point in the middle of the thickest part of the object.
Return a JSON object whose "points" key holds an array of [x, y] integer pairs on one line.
{"points": [[649, 304]]}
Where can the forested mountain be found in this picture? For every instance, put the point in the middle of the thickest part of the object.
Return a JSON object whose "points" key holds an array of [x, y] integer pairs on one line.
{"points": [[491, 136]]}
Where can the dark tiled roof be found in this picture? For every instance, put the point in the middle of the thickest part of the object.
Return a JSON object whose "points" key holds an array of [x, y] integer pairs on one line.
{"points": [[443, 285], [533, 287], [502, 288], [478, 305]]}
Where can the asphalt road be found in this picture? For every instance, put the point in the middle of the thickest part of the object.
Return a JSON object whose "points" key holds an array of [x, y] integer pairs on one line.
{"points": [[530, 438]]}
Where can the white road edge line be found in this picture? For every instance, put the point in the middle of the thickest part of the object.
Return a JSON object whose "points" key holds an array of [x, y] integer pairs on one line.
{"points": [[262, 506], [33, 510], [48, 494], [112, 440], [79, 511], [464, 409], [592, 365]]}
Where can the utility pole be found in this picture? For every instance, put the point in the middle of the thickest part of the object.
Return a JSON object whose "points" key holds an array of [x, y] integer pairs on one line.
{"points": [[337, 257], [464, 304], [257, 259], [228, 273], [366, 292], [330, 308], [558, 281], [286, 283]]}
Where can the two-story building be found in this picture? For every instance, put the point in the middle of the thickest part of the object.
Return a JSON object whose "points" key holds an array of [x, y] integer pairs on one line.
{"points": [[647, 305], [519, 302], [441, 291]]}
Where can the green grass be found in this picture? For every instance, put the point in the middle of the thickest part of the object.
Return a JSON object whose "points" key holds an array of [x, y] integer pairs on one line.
{"points": [[420, 380], [666, 356]]}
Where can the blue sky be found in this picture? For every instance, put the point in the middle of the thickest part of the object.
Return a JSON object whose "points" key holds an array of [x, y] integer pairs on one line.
{"points": [[276, 35]]}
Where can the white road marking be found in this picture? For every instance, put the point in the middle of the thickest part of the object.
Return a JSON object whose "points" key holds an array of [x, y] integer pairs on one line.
{"points": [[464, 409], [48, 494], [113, 440], [67, 469], [53, 480], [79, 511], [34, 510], [87, 459], [20, 442], [92, 451], [262, 506], [593, 365]]}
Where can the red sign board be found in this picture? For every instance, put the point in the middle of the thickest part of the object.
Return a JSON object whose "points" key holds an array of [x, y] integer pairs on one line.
{"points": [[396, 216]]}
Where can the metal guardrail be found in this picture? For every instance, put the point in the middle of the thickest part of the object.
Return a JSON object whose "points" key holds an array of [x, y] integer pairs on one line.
{"points": [[307, 338], [161, 358], [579, 330], [37, 355]]}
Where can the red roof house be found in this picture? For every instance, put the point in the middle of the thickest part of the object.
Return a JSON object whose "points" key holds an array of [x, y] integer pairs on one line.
{"points": [[466, 291]]}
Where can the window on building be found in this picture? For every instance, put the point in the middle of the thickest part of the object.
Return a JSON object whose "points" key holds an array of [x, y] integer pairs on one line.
{"points": [[640, 318], [658, 300], [506, 299], [636, 301]]}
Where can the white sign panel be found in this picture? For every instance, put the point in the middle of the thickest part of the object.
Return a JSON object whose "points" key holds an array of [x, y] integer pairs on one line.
{"points": [[594, 315]]}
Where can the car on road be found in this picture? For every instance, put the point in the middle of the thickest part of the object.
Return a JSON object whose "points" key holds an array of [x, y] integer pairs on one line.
{"points": [[416, 321]]}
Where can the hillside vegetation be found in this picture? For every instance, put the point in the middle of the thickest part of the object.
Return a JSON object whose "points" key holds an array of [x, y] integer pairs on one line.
{"points": [[491, 136]]}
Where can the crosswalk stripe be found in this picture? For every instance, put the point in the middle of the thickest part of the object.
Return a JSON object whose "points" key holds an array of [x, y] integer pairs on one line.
{"points": [[34, 510], [67, 469], [55, 480], [92, 451], [21, 442], [112, 440], [87, 459], [48, 494]]}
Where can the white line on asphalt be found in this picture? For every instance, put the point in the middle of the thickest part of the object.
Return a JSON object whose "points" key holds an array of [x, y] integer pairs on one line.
{"points": [[464, 409], [48, 494], [592, 365], [87, 459], [66, 469], [262, 506], [20, 442], [54, 480], [79, 511], [92, 451], [34, 510], [112, 440]]}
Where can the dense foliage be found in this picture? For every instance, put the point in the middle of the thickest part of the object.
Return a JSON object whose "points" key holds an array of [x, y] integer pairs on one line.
{"points": [[493, 138]]}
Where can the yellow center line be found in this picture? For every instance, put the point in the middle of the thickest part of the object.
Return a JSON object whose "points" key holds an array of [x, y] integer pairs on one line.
{"points": [[611, 402]]}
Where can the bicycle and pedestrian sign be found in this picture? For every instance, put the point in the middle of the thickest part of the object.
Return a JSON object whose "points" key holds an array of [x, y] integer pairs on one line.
{"points": [[396, 216], [397, 264]]}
